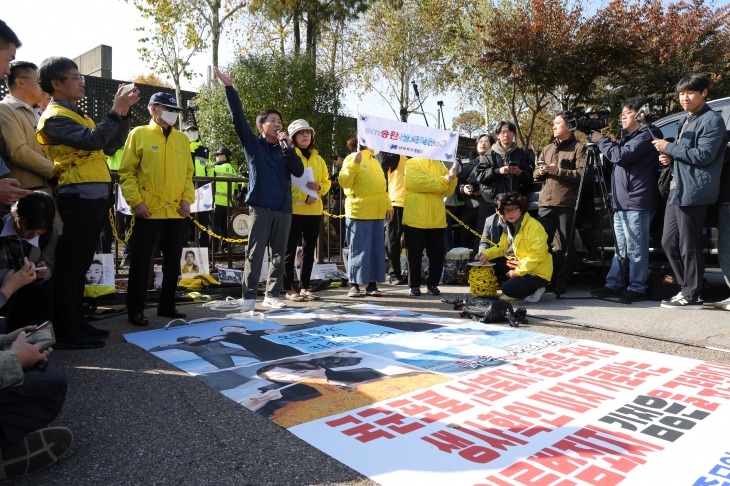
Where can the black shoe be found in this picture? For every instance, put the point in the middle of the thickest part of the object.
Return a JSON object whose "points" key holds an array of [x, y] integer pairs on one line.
{"points": [[170, 313], [432, 290], [34, 452], [607, 292], [93, 332], [77, 341], [138, 319], [632, 296], [683, 303], [415, 292], [372, 290]]}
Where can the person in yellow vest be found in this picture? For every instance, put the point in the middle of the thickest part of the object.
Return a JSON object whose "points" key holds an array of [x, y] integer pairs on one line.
{"points": [[395, 165], [201, 160], [366, 208], [156, 178], [424, 219], [114, 161], [306, 211], [76, 145], [222, 168]]}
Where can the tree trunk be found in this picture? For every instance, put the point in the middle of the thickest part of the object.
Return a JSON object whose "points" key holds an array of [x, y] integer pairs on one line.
{"points": [[297, 33], [312, 36], [282, 35], [216, 33], [176, 80]]}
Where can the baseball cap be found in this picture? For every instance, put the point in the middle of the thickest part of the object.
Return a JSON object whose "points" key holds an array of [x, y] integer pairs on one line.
{"points": [[223, 151], [164, 99], [188, 125]]}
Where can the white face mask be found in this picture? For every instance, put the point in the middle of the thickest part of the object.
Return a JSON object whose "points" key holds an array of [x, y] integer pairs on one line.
{"points": [[169, 117], [192, 136]]}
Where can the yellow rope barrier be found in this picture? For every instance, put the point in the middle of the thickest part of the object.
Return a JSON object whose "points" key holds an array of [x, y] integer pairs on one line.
{"points": [[174, 205]]}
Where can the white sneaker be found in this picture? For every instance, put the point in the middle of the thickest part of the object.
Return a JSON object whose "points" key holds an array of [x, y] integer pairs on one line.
{"points": [[273, 303], [248, 305], [723, 304], [536, 296]]}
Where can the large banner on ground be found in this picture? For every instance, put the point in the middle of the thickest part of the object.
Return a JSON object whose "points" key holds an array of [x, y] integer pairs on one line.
{"points": [[406, 139], [413, 399]]}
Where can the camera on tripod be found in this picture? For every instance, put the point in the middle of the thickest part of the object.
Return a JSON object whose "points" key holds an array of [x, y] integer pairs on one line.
{"points": [[584, 121]]}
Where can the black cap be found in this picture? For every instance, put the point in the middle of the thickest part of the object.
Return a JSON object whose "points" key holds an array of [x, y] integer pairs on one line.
{"points": [[340, 154], [164, 99], [223, 151], [188, 125]]}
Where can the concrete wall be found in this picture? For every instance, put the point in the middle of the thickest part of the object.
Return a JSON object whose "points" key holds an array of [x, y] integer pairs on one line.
{"points": [[96, 62]]}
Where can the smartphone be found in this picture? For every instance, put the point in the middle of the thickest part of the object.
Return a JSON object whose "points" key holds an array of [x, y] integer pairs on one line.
{"points": [[35, 188], [45, 324], [14, 250], [513, 164], [127, 88], [39, 269], [541, 162]]}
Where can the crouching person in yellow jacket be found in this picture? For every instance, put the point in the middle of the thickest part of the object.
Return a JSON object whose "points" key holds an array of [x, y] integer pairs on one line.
{"points": [[367, 206], [521, 257], [156, 178], [424, 219]]}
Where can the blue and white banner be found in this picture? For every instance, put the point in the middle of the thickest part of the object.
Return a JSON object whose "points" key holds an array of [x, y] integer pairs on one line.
{"points": [[406, 139], [203, 199]]}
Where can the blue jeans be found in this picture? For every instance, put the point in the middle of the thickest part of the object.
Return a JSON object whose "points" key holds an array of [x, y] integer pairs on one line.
{"points": [[632, 243], [723, 240], [366, 239]]}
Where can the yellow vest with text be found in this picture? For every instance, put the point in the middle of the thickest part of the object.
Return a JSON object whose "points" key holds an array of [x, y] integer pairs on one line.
{"points": [[70, 165], [221, 188]]}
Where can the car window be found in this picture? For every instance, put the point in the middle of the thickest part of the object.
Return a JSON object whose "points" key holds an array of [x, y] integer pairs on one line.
{"points": [[670, 130]]}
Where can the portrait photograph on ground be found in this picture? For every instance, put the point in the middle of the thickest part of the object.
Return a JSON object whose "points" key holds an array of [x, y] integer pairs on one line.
{"points": [[194, 262], [101, 271]]}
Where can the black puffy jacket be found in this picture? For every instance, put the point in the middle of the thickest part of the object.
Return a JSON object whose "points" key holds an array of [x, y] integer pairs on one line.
{"points": [[493, 183]]}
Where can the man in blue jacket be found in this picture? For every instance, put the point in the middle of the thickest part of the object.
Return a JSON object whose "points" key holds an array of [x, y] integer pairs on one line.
{"points": [[636, 198], [696, 157], [271, 161]]}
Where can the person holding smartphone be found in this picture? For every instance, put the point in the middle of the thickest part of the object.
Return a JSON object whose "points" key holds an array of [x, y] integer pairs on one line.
{"points": [[28, 235], [559, 167]]}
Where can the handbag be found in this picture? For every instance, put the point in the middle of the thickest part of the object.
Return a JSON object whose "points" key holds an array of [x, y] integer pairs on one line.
{"points": [[488, 310], [665, 178]]}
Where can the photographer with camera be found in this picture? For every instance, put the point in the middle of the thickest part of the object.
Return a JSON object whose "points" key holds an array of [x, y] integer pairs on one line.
{"points": [[560, 166], [504, 168], [635, 198], [696, 156]]}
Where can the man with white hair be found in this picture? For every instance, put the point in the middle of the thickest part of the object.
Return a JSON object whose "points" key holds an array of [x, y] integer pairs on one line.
{"points": [[156, 178]]}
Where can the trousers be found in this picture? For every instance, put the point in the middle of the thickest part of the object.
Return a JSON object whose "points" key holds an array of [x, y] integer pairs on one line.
{"points": [[33, 404], [82, 222], [517, 287], [306, 227], [393, 235], [432, 240], [173, 235], [682, 243], [28, 305], [559, 219], [269, 231]]}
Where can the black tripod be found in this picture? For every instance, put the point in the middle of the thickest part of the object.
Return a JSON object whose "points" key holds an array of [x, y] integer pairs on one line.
{"points": [[593, 161]]}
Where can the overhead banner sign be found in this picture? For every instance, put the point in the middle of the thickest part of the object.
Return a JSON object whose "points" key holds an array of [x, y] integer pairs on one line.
{"points": [[406, 139]]}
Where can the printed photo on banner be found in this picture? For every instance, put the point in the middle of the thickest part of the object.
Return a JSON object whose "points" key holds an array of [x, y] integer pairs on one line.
{"points": [[101, 271], [194, 262], [333, 336], [297, 390], [461, 350]]}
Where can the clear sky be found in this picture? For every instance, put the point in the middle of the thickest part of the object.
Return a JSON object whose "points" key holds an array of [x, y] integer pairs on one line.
{"points": [[82, 25]]}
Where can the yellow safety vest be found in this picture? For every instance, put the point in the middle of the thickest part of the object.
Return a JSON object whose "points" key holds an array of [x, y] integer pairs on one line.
{"points": [[221, 188], [70, 165]]}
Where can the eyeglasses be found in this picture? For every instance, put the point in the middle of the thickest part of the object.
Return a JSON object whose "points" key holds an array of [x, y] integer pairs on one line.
{"points": [[78, 79], [506, 132]]}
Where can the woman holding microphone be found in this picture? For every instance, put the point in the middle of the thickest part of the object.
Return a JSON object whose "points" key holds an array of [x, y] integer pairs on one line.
{"points": [[366, 209], [424, 219], [306, 211]]}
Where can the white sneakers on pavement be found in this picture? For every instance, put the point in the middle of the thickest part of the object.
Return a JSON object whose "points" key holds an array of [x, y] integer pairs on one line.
{"points": [[536, 296], [273, 303], [723, 304]]}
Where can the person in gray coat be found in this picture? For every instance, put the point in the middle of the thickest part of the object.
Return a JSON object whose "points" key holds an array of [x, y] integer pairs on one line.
{"points": [[696, 157]]}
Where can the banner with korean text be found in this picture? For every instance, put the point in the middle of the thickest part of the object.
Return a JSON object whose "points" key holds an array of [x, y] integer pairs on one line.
{"points": [[406, 139]]}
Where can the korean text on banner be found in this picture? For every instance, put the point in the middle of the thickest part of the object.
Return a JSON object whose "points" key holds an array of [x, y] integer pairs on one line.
{"points": [[406, 139], [203, 199]]}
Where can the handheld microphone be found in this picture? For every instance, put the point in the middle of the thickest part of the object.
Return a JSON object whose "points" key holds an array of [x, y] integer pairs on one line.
{"points": [[286, 143]]}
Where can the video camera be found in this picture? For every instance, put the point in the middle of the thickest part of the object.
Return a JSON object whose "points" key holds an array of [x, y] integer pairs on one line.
{"points": [[584, 121]]}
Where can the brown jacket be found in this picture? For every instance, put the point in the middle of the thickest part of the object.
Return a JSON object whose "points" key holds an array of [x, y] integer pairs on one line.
{"points": [[27, 161], [561, 190]]}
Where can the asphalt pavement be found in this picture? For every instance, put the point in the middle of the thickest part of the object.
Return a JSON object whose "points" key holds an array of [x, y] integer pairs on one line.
{"points": [[139, 420]]}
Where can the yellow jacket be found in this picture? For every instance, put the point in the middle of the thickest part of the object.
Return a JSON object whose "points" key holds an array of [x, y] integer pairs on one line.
{"points": [[163, 166], [72, 166], [397, 183], [426, 187], [321, 177], [530, 247], [364, 186]]}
